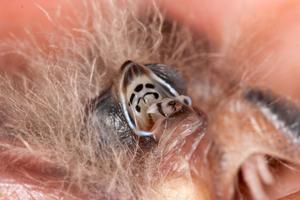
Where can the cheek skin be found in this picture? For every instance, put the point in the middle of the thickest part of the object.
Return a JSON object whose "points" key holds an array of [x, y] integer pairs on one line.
{"points": [[17, 15], [211, 17], [34, 15], [226, 21]]}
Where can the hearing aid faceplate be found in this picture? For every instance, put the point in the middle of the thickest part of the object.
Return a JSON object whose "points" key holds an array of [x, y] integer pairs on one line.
{"points": [[140, 96], [146, 96]]}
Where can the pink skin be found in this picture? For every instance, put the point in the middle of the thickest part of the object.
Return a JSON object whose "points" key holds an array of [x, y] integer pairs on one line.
{"points": [[16, 16], [220, 19]]}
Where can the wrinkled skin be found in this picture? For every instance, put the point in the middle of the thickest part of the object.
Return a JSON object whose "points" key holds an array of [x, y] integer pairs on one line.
{"points": [[223, 147]]}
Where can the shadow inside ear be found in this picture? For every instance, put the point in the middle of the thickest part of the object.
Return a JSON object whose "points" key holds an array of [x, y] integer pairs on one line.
{"points": [[104, 113], [125, 64], [170, 75], [281, 112]]}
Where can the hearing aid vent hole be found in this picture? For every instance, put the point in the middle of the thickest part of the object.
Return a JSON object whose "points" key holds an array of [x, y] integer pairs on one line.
{"points": [[131, 98], [138, 88], [150, 86], [138, 108]]}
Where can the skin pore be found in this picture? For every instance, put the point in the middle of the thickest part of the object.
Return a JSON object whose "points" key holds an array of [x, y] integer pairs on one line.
{"points": [[273, 25]]}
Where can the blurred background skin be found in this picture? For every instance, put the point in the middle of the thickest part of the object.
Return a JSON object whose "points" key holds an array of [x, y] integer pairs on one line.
{"points": [[223, 19], [219, 19], [16, 15]]}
